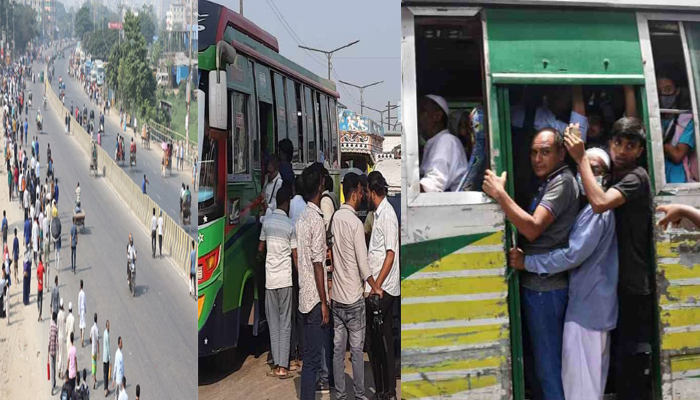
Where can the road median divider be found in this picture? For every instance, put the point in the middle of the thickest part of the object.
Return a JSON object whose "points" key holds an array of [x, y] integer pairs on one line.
{"points": [[176, 241]]}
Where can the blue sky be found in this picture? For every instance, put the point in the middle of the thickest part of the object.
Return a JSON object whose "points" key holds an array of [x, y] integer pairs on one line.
{"points": [[328, 24]]}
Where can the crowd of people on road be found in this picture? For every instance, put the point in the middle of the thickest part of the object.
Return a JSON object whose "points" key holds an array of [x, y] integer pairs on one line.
{"points": [[327, 283], [38, 203], [583, 210]]}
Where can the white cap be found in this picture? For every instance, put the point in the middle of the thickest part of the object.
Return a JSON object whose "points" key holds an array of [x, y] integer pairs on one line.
{"points": [[70, 306], [439, 100], [61, 302], [597, 151]]}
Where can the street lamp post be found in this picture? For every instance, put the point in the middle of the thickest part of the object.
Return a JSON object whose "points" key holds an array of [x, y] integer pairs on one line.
{"points": [[329, 54], [362, 90]]}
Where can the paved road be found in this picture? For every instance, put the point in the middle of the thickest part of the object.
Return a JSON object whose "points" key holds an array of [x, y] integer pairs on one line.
{"points": [[164, 191], [158, 325]]}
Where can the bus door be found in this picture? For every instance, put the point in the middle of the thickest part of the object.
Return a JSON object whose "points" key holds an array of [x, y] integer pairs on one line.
{"points": [[455, 314], [595, 54]]}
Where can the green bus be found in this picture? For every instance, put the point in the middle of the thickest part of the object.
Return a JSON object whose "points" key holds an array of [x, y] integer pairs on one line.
{"points": [[251, 98], [461, 326]]}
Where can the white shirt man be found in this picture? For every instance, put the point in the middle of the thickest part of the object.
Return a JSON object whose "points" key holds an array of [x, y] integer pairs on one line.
{"points": [[444, 160], [444, 163], [271, 189], [385, 237], [296, 207]]}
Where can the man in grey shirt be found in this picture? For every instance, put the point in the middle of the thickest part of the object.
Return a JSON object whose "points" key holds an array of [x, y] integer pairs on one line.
{"points": [[351, 269], [545, 227]]}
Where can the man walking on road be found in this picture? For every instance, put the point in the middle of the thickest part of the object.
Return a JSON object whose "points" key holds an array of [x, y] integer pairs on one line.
{"points": [[15, 255], [53, 343], [73, 245], [154, 226], [118, 372], [61, 338], [54, 296], [160, 233], [72, 361], [4, 228], [106, 358], [95, 347], [70, 326], [40, 286], [144, 183], [81, 313]]}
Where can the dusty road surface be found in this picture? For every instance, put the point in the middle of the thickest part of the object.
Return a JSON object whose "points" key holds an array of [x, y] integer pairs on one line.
{"points": [[245, 373], [158, 324]]}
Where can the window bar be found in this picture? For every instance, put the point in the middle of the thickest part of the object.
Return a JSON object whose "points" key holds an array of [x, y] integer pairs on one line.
{"points": [[691, 86]]}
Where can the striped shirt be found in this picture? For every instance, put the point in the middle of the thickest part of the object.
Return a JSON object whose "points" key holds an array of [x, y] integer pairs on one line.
{"points": [[53, 338], [280, 238], [311, 241]]}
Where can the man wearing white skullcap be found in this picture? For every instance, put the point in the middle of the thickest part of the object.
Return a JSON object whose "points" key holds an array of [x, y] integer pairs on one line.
{"points": [[61, 358], [444, 160], [592, 310]]}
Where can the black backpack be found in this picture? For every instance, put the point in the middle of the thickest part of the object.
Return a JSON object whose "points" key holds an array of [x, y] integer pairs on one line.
{"points": [[66, 391]]}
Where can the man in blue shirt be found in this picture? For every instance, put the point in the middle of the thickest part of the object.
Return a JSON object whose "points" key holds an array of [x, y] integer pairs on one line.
{"points": [[55, 195], [592, 259], [27, 233], [143, 184]]}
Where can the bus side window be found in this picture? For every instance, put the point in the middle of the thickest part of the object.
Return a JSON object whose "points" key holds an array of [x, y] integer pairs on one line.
{"points": [[299, 110], [333, 112], [278, 87], [310, 130], [239, 148], [677, 98], [293, 119]]}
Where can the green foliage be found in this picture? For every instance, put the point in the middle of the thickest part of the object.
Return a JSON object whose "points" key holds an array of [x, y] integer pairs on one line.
{"points": [[135, 79], [64, 20], [83, 21], [147, 21], [156, 52], [26, 27], [99, 43], [179, 111], [112, 72]]}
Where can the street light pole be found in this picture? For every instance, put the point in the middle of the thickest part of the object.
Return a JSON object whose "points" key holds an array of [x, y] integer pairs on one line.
{"points": [[328, 54], [362, 89]]}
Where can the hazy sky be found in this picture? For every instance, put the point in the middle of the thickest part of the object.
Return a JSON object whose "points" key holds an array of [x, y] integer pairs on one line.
{"points": [[328, 24]]}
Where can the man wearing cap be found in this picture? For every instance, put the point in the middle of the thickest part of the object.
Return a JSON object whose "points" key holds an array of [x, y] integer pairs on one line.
{"points": [[61, 338], [592, 310], [70, 325], [444, 161], [543, 227]]}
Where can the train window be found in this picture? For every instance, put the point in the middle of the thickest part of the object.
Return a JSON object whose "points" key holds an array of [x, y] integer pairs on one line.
{"points": [[453, 147], [675, 49], [238, 151]]}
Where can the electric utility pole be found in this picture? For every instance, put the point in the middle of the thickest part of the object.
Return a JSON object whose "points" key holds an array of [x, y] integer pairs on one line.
{"points": [[362, 90], [328, 54]]}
